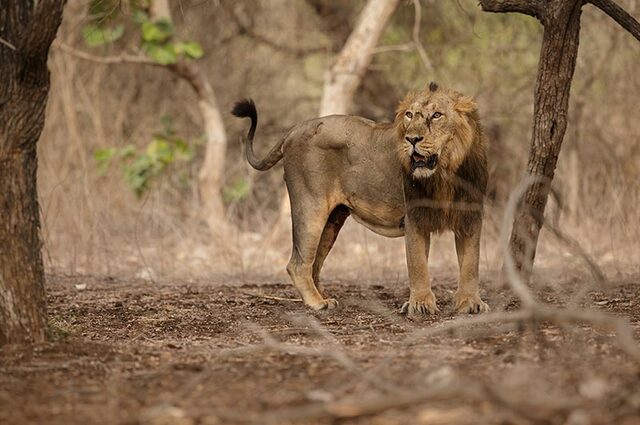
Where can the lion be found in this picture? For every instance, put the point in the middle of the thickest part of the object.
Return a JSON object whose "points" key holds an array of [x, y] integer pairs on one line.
{"points": [[405, 178]]}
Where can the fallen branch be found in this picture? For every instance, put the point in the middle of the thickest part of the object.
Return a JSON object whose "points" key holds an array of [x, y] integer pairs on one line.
{"points": [[435, 389], [271, 297]]}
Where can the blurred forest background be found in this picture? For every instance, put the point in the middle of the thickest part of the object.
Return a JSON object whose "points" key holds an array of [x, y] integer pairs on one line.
{"points": [[106, 119]]}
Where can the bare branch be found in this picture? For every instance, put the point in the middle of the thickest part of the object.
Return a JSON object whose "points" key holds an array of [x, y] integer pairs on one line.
{"points": [[416, 36], [270, 297], [407, 47], [595, 270], [415, 40], [247, 29], [331, 350], [528, 7], [513, 277], [618, 14], [442, 387], [106, 60], [6, 43]]}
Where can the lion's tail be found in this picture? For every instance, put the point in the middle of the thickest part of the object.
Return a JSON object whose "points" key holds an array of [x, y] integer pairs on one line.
{"points": [[247, 109]]}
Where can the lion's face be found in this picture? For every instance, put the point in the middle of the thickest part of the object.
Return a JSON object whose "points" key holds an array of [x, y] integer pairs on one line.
{"points": [[434, 129]]}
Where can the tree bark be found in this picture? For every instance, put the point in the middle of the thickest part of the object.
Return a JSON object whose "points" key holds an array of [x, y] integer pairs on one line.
{"points": [[344, 77], [555, 71], [26, 31]]}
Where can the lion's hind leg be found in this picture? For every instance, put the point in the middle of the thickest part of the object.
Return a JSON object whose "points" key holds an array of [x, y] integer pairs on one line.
{"points": [[308, 222], [329, 234]]}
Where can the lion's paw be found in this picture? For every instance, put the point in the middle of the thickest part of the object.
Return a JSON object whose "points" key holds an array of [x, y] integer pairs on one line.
{"points": [[420, 305], [470, 304], [326, 304]]}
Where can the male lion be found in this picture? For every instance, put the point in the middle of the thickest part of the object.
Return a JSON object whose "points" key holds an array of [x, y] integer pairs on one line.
{"points": [[339, 165]]}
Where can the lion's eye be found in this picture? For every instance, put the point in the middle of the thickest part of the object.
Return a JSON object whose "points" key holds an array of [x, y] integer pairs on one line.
{"points": [[436, 115], [408, 115]]}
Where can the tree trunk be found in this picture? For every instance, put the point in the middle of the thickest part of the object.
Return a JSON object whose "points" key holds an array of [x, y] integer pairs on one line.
{"points": [[210, 176], [556, 66], [26, 33], [561, 21], [345, 75]]}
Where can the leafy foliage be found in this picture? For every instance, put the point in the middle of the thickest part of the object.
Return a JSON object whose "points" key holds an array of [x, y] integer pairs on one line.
{"points": [[157, 37], [141, 167], [95, 36], [236, 192]]}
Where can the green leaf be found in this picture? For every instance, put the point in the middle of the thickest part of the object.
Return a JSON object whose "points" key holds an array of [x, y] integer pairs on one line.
{"points": [[158, 32], [236, 192], [138, 174], [183, 151], [95, 36], [101, 11], [127, 152], [167, 125], [159, 150], [103, 159], [191, 49], [164, 55], [139, 17]]}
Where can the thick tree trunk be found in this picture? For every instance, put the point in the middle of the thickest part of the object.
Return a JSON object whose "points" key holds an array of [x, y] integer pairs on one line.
{"points": [[345, 75], [26, 32], [556, 66]]}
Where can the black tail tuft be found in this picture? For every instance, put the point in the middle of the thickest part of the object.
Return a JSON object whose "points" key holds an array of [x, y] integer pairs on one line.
{"points": [[245, 109]]}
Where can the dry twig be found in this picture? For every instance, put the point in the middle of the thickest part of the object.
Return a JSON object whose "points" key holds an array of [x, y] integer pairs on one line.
{"points": [[415, 43], [8, 44], [271, 297]]}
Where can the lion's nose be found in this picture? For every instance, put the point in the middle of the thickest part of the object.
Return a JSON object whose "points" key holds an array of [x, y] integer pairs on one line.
{"points": [[413, 139]]}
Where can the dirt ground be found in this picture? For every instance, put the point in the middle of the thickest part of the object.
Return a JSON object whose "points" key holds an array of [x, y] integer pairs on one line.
{"points": [[138, 352]]}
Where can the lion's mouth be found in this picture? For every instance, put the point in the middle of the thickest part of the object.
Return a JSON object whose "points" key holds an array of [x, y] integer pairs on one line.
{"points": [[420, 161]]}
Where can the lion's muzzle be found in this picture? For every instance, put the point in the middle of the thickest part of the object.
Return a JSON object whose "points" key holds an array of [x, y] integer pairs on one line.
{"points": [[420, 161]]}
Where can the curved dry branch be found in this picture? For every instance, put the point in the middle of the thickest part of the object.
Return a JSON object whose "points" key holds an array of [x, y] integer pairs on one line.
{"points": [[414, 44], [618, 14], [105, 60], [416, 36], [513, 277], [528, 7]]}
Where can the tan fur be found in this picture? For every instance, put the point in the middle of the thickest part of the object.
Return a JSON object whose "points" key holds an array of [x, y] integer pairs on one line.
{"points": [[338, 166], [450, 198]]}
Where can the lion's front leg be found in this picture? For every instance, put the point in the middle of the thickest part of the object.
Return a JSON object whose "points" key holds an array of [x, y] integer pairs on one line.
{"points": [[467, 298], [421, 297]]}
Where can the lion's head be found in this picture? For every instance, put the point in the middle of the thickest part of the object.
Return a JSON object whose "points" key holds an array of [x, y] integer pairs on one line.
{"points": [[436, 127]]}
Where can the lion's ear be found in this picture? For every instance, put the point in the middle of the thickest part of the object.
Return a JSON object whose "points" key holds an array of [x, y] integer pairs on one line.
{"points": [[466, 105]]}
